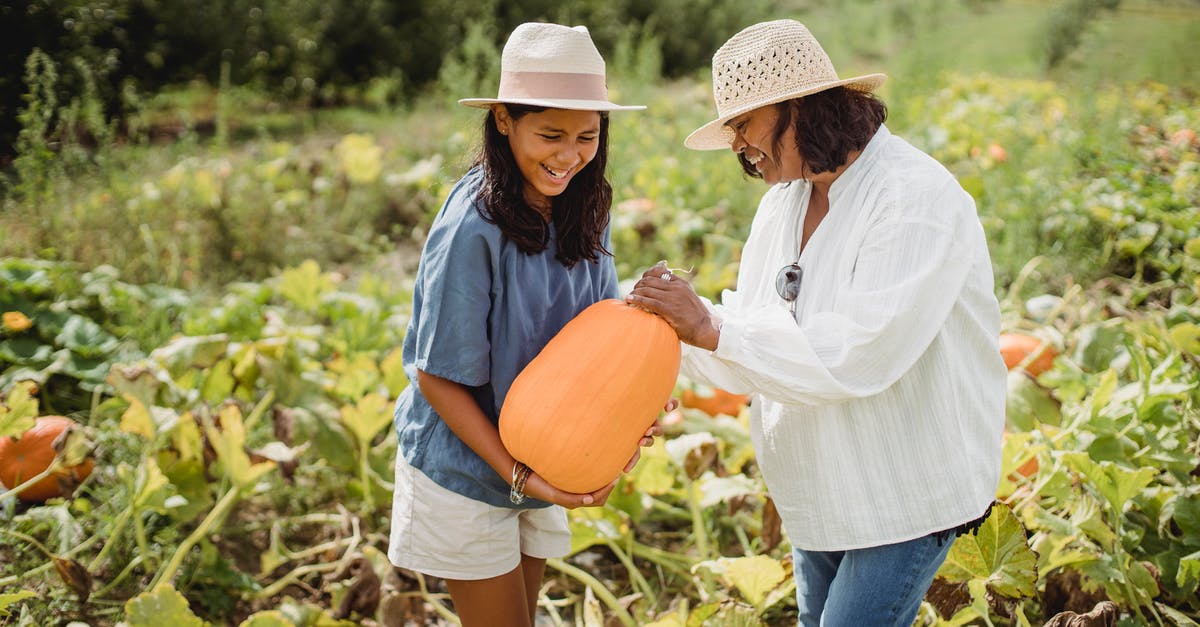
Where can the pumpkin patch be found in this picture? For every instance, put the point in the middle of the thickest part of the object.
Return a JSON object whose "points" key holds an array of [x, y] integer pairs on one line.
{"points": [[32, 453], [1015, 347], [575, 414]]}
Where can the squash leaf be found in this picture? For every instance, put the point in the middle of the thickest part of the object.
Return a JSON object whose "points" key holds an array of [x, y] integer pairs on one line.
{"points": [[367, 417], [162, 606], [997, 555], [1116, 484], [228, 441], [9, 599], [18, 412]]}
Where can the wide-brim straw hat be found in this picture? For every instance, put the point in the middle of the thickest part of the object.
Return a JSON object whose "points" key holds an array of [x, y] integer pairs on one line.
{"points": [[554, 66], [764, 64]]}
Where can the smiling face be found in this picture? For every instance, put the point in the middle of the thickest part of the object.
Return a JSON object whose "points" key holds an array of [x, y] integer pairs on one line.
{"points": [[550, 148], [758, 141]]}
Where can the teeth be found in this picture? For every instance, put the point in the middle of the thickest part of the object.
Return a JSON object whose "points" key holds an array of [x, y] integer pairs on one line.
{"points": [[754, 159], [558, 174]]}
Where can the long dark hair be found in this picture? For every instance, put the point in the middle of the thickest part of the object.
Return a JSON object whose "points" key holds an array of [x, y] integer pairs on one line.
{"points": [[580, 213], [829, 126]]}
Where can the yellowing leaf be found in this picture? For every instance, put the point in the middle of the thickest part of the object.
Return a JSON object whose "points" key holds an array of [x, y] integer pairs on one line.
{"points": [[162, 606], [228, 441], [269, 618], [394, 377], [361, 159], [755, 576], [997, 555], [18, 412], [304, 285], [137, 420], [367, 417]]}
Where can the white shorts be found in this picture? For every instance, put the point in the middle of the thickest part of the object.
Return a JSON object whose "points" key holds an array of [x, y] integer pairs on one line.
{"points": [[444, 534]]}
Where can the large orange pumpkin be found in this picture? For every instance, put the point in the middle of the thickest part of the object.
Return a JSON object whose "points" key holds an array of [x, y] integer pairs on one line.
{"points": [[33, 452], [1015, 347], [575, 414]]}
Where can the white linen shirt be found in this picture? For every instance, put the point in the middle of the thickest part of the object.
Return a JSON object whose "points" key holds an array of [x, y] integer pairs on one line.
{"points": [[878, 408]]}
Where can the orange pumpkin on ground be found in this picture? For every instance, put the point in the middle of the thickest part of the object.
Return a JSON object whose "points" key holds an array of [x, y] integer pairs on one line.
{"points": [[1015, 347], [575, 414], [32, 453], [721, 402]]}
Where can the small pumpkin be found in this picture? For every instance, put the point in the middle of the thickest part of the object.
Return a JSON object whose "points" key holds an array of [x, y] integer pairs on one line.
{"points": [[1015, 347], [22, 458], [576, 412], [718, 403]]}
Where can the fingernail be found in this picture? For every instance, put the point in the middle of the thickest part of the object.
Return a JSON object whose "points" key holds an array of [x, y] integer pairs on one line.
{"points": [[587, 500]]}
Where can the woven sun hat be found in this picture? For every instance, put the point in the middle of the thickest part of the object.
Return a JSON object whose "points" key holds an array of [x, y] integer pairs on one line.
{"points": [[555, 66], [764, 64]]}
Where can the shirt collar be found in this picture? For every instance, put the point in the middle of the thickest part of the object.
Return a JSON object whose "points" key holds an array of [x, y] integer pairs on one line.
{"points": [[862, 164]]}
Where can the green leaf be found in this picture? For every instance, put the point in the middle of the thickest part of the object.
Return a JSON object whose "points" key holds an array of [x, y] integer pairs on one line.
{"points": [[9, 599], [1186, 337], [654, 474], [997, 555], [1029, 404], [591, 526], [162, 606], [18, 412], [304, 285], [85, 337], [366, 418], [196, 351], [1116, 484], [1189, 571]]}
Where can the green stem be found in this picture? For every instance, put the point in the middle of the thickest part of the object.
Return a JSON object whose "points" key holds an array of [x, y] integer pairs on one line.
{"points": [[364, 475], [441, 609], [137, 559], [217, 513], [700, 535], [295, 574], [116, 532], [597, 588], [635, 575], [30, 539]]}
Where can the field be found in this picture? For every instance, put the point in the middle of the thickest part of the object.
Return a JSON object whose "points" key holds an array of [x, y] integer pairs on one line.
{"points": [[218, 299]]}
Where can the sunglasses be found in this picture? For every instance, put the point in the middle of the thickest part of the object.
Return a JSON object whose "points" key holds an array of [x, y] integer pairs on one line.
{"points": [[787, 283]]}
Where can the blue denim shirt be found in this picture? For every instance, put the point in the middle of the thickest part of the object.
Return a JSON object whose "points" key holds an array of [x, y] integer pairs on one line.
{"points": [[482, 310]]}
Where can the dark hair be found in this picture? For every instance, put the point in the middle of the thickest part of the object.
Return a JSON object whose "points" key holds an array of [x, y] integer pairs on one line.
{"points": [[829, 125], [580, 213]]}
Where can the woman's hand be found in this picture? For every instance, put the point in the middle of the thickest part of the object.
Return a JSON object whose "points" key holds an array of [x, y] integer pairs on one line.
{"points": [[674, 299], [540, 489]]}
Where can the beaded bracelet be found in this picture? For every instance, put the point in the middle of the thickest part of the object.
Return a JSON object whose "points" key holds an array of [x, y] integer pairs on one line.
{"points": [[520, 475]]}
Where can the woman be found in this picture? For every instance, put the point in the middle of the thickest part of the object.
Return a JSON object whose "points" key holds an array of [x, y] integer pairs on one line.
{"points": [[518, 249], [864, 324]]}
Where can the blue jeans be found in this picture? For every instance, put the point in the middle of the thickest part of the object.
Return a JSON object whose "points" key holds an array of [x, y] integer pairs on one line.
{"points": [[881, 585]]}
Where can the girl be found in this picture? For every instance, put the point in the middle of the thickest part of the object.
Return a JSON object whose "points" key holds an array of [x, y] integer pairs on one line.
{"points": [[518, 249]]}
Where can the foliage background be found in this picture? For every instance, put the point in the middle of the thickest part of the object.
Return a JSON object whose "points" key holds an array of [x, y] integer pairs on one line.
{"points": [[210, 214]]}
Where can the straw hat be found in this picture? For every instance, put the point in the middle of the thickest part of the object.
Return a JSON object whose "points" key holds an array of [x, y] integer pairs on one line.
{"points": [[764, 64], [549, 65]]}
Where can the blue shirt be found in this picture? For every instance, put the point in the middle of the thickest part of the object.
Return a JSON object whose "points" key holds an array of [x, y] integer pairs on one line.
{"points": [[482, 310]]}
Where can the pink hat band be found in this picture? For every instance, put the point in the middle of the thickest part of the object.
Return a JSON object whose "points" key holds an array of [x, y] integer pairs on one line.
{"points": [[552, 85]]}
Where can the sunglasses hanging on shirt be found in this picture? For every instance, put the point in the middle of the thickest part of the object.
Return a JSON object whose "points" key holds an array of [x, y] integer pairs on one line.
{"points": [[787, 283]]}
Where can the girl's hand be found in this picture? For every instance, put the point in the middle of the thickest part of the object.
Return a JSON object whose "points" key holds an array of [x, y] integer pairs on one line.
{"points": [[674, 299], [538, 488]]}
